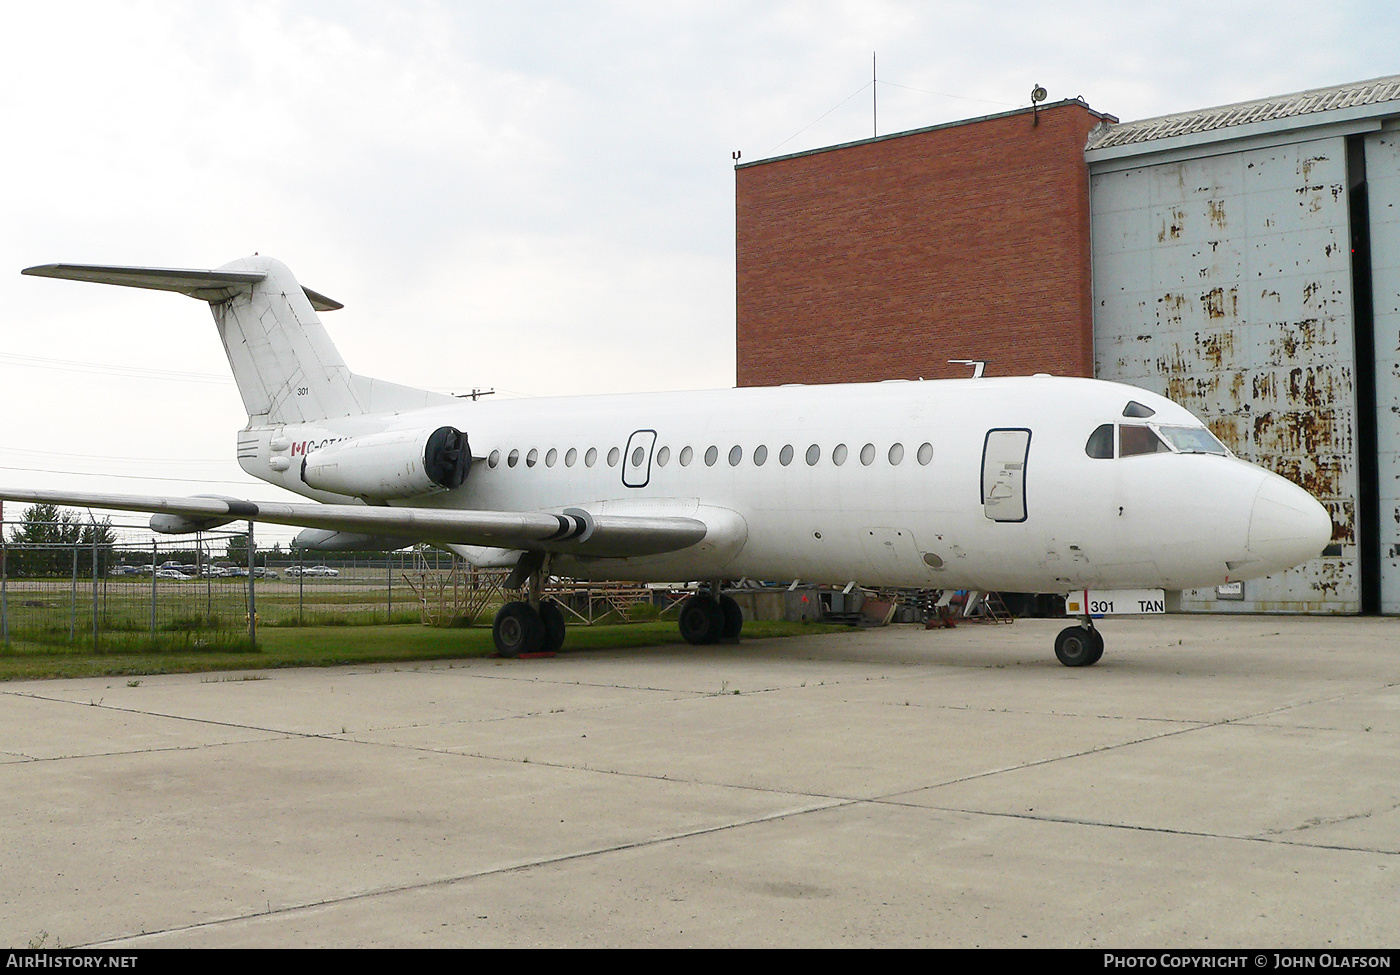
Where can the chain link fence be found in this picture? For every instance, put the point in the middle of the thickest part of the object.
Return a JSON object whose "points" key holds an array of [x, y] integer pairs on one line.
{"points": [[115, 586], [62, 580]]}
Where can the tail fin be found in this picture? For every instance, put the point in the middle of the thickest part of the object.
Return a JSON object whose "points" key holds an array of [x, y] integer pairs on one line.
{"points": [[286, 367]]}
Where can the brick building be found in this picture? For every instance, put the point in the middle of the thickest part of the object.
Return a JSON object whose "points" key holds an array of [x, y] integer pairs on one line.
{"points": [[884, 258]]}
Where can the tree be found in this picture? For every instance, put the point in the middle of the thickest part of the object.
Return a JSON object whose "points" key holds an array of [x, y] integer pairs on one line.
{"points": [[44, 541]]}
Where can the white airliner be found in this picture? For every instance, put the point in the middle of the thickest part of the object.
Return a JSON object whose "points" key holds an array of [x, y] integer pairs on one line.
{"points": [[1032, 484]]}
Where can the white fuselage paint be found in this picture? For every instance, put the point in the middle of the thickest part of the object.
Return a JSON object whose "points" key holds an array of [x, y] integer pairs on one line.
{"points": [[1160, 520]]}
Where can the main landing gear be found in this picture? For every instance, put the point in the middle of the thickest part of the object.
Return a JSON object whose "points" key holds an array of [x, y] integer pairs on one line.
{"points": [[707, 618], [532, 624], [1080, 645]]}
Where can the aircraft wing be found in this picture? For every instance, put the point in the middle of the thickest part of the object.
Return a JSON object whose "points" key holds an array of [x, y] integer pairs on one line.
{"points": [[574, 531]]}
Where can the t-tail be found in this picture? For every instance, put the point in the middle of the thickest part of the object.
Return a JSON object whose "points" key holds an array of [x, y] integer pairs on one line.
{"points": [[286, 367]]}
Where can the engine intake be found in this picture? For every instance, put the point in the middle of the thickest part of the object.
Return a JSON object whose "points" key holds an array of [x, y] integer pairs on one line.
{"points": [[399, 464]]}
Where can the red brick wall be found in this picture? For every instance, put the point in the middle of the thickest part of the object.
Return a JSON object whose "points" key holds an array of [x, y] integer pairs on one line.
{"points": [[885, 259]]}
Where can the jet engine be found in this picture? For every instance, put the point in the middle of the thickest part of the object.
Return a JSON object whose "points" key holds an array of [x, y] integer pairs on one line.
{"points": [[399, 464]]}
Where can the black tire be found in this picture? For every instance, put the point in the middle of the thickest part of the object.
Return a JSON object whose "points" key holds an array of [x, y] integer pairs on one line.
{"points": [[1079, 646], [701, 620], [553, 621], [517, 629], [733, 618]]}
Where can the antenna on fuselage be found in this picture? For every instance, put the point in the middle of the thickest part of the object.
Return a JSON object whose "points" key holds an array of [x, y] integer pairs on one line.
{"points": [[978, 365]]}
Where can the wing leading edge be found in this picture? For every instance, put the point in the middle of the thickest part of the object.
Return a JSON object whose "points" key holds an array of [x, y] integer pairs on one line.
{"points": [[574, 531]]}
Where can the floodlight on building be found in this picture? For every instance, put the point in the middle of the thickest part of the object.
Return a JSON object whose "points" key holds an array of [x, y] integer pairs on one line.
{"points": [[1038, 95]]}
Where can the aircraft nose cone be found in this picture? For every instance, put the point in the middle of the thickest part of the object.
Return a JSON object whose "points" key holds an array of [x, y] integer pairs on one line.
{"points": [[1287, 525]]}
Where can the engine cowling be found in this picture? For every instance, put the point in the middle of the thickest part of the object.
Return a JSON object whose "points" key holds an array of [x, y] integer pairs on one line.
{"points": [[398, 464]]}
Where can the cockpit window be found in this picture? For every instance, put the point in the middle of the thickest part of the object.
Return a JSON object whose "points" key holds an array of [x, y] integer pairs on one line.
{"points": [[1134, 440], [1138, 410], [1100, 445], [1193, 440]]}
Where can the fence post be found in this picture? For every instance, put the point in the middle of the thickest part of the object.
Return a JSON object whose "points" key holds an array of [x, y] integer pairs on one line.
{"points": [[4, 602], [252, 600], [301, 584], [153, 586], [94, 584], [73, 599]]}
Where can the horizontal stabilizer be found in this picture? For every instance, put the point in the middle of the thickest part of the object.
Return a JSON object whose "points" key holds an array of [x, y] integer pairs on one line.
{"points": [[204, 285], [575, 531]]}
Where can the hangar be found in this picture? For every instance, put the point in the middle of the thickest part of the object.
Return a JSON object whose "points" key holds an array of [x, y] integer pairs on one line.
{"points": [[1243, 260]]}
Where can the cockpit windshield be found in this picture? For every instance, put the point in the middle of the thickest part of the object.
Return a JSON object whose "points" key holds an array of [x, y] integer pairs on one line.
{"points": [[1134, 439], [1192, 440]]}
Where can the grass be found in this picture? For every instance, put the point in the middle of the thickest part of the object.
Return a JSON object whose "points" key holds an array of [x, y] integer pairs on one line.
{"points": [[323, 646]]}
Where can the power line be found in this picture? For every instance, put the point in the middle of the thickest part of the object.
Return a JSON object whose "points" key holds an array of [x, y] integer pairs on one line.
{"points": [[75, 365]]}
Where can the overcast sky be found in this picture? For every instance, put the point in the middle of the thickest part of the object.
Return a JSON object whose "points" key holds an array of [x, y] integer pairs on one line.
{"points": [[532, 197]]}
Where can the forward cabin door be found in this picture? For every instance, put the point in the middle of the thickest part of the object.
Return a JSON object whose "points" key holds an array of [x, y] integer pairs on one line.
{"points": [[1004, 456], [636, 463]]}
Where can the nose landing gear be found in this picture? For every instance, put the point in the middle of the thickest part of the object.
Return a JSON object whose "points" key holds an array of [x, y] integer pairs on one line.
{"points": [[1080, 645]]}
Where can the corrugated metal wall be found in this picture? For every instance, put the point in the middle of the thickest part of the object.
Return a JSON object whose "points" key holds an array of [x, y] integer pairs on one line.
{"points": [[1383, 182], [1224, 282]]}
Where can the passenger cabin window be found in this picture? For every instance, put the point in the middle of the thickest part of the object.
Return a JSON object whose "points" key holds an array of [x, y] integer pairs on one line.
{"points": [[686, 455], [614, 455], [760, 454], [1100, 445], [1139, 440]]}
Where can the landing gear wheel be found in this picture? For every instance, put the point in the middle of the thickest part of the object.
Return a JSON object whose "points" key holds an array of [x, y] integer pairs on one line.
{"points": [[701, 619], [1079, 646], [517, 629], [553, 621], [733, 618]]}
